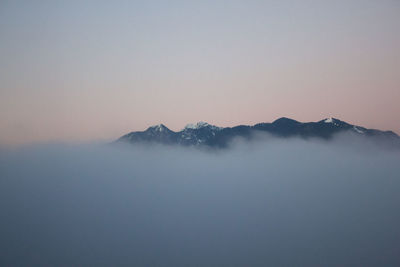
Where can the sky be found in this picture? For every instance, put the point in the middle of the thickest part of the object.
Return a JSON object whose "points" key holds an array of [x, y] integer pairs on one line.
{"points": [[94, 70]]}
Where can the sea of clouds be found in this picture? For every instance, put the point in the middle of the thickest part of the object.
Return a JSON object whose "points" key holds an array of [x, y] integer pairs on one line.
{"points": [[271, 202]]}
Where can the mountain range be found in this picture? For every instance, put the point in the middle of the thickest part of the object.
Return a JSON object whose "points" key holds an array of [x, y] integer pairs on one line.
{"points": [[204, 134]]}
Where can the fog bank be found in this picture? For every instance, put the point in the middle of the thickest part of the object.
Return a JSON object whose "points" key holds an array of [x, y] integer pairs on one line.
{"points": [[276, 202]]}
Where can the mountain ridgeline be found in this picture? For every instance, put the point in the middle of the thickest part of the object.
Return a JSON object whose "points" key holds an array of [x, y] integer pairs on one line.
{"points": [[204, 134]]}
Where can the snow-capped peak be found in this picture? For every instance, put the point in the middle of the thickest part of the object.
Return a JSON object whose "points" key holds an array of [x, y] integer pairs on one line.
{"points": [[201, 124], [333, 121], [158, 127], [198, 125]]}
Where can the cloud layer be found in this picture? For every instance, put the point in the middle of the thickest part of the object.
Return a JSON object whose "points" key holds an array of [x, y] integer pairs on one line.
{"points": [[272, 202]]}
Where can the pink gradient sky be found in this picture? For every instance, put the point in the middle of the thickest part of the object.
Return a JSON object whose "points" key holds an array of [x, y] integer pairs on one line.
{"points": [[74, 71]]}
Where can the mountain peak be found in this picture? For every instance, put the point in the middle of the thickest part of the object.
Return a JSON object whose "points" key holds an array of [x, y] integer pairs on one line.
{"points": [[335, 122], [329, 120], [199, 125], [285, 120], [157, 128]]}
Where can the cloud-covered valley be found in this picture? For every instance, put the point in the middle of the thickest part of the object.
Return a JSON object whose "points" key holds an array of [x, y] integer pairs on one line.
{"points": [[276, 202]]}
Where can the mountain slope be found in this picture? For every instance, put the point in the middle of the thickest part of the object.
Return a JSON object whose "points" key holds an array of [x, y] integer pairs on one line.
{"points": [[204, 134]]}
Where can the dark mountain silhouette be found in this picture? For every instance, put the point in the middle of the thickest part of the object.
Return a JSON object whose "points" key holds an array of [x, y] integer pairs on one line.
{"points": [[204, 134]]}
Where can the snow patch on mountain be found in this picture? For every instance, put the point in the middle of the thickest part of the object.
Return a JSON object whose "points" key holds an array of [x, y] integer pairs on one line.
{"points": [[358, 130], [201, 124], [158, 127]]}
